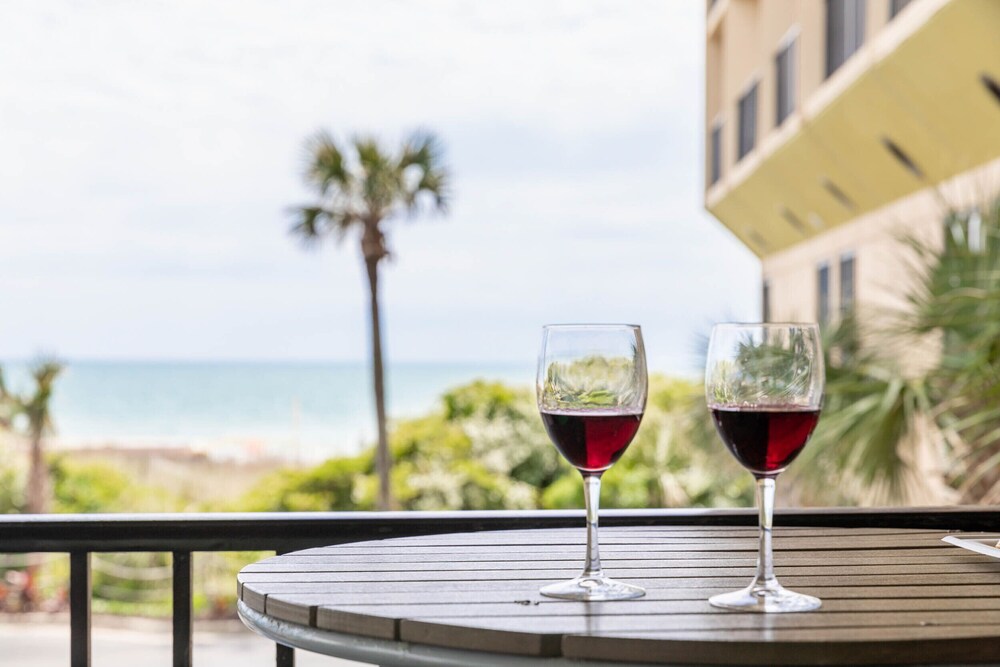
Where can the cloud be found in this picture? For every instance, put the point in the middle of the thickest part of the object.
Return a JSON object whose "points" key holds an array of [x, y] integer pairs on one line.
{"points": [[150, 152]]}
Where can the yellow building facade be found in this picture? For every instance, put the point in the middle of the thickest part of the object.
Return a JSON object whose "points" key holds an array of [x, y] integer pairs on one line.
{"points": [[835, 127]]}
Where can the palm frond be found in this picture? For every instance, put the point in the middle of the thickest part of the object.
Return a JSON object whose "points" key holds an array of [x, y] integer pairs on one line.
{"points": [[367, 185], [436, 184], [325, 164], [369, 151], [45, 372], [869, 446], [423, 155], [37, 408], [958, 299], [311, 224], [380, 181], [421, 149]]}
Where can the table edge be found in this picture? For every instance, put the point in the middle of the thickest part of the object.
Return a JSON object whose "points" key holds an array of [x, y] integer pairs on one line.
{"points": [[392, 653]]}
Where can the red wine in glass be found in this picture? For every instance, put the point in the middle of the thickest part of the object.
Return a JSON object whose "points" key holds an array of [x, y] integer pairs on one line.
{"points": [[591, 441], [591, 388], [765, 439], [764, 386]]}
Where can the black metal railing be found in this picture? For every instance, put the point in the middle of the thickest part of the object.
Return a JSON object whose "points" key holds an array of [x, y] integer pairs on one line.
{"points": [[184, 534]]}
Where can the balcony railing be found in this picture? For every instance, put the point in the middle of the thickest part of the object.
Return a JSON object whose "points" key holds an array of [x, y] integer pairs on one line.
{"points": [[184, 534]]}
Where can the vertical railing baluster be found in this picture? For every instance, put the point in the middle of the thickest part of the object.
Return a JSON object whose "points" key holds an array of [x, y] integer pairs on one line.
{"points": [[284, 656], [182, 609], [79, 609]]}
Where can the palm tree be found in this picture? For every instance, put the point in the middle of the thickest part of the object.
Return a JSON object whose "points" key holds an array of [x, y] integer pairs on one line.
{"points": [[928, 437], [361, 189], [959, 301], [35, 408], [877, 442], [8, 407]]}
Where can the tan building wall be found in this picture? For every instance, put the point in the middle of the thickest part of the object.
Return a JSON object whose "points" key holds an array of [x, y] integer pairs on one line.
{"points": [[743, 38], [883, 270], [828, 181]]}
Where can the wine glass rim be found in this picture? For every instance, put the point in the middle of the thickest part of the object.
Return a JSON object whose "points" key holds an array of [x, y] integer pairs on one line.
{"points": [[768, 325], [595, 325]]}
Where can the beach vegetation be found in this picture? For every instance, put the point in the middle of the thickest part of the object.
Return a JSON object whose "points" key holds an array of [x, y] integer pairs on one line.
{"points": [[484, 447], [957, 303], [83, 486], [11, 490], [360, 186], [336, 484], [29, 414]]}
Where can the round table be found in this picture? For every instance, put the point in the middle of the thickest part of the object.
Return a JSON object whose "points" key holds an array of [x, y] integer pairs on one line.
{"points": [[889, 596]]}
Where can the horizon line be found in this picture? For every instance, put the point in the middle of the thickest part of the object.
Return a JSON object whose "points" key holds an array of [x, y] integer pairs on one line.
{"points": [[246, 360]]}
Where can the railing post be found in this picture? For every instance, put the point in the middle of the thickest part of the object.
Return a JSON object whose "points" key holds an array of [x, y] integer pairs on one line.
{"points": [[284, 656], [79, 608], [182, 608]]}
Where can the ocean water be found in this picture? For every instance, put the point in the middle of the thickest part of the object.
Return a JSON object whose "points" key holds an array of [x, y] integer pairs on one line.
{"points": [[303, 411]]}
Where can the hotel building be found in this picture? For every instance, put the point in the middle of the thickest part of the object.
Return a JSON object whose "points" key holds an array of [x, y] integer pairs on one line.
{"points": [[834, 128]]}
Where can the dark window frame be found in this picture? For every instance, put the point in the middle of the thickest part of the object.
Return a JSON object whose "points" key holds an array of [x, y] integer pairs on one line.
{"points": [[715, 153], [896, 6], [845, 31], [746, 111], [785, 75], [823, 293], [848, 281], [765, 300]]}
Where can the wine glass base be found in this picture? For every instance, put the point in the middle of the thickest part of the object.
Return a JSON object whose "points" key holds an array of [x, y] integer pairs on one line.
{"points": [[767, 600], [592, 589]]}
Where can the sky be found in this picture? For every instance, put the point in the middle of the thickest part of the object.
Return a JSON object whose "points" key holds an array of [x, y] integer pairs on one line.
{"points": [[149, 153]]}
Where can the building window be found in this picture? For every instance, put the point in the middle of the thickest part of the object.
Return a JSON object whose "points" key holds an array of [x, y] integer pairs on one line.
{"points": [[896, 6], [823, 294], [784, 65], [765, 302], [846, 283], [715, 159], [748, 122], [845, 31]]}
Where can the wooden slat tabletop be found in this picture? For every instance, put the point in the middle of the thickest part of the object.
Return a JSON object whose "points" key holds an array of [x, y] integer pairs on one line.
{"points": [[890, 596]]}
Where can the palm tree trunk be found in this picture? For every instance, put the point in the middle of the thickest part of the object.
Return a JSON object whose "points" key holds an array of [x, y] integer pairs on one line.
{"points": [[382, 460], [37, 493]]}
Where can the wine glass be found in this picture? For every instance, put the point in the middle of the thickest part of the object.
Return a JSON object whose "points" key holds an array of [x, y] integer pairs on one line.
{"points": [[764, 386], [591, 389]]}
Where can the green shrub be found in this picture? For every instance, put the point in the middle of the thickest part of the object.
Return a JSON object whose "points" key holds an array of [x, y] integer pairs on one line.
{"points": [[485, 447]]}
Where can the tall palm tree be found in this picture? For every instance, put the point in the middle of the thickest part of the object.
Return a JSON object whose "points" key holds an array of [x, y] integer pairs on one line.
{"points": [[36, 409], [360, 189]]}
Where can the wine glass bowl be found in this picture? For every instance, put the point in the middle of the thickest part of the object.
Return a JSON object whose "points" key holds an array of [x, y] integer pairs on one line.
{"points": [[591, 389], [764, 388]]}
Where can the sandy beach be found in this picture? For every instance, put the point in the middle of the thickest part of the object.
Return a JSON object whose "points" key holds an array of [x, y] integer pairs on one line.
{"points": [[200, 479]]}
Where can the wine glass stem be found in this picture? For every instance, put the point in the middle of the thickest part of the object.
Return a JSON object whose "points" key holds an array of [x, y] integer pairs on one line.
{"points": [[592, 496], [765, 559]]}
